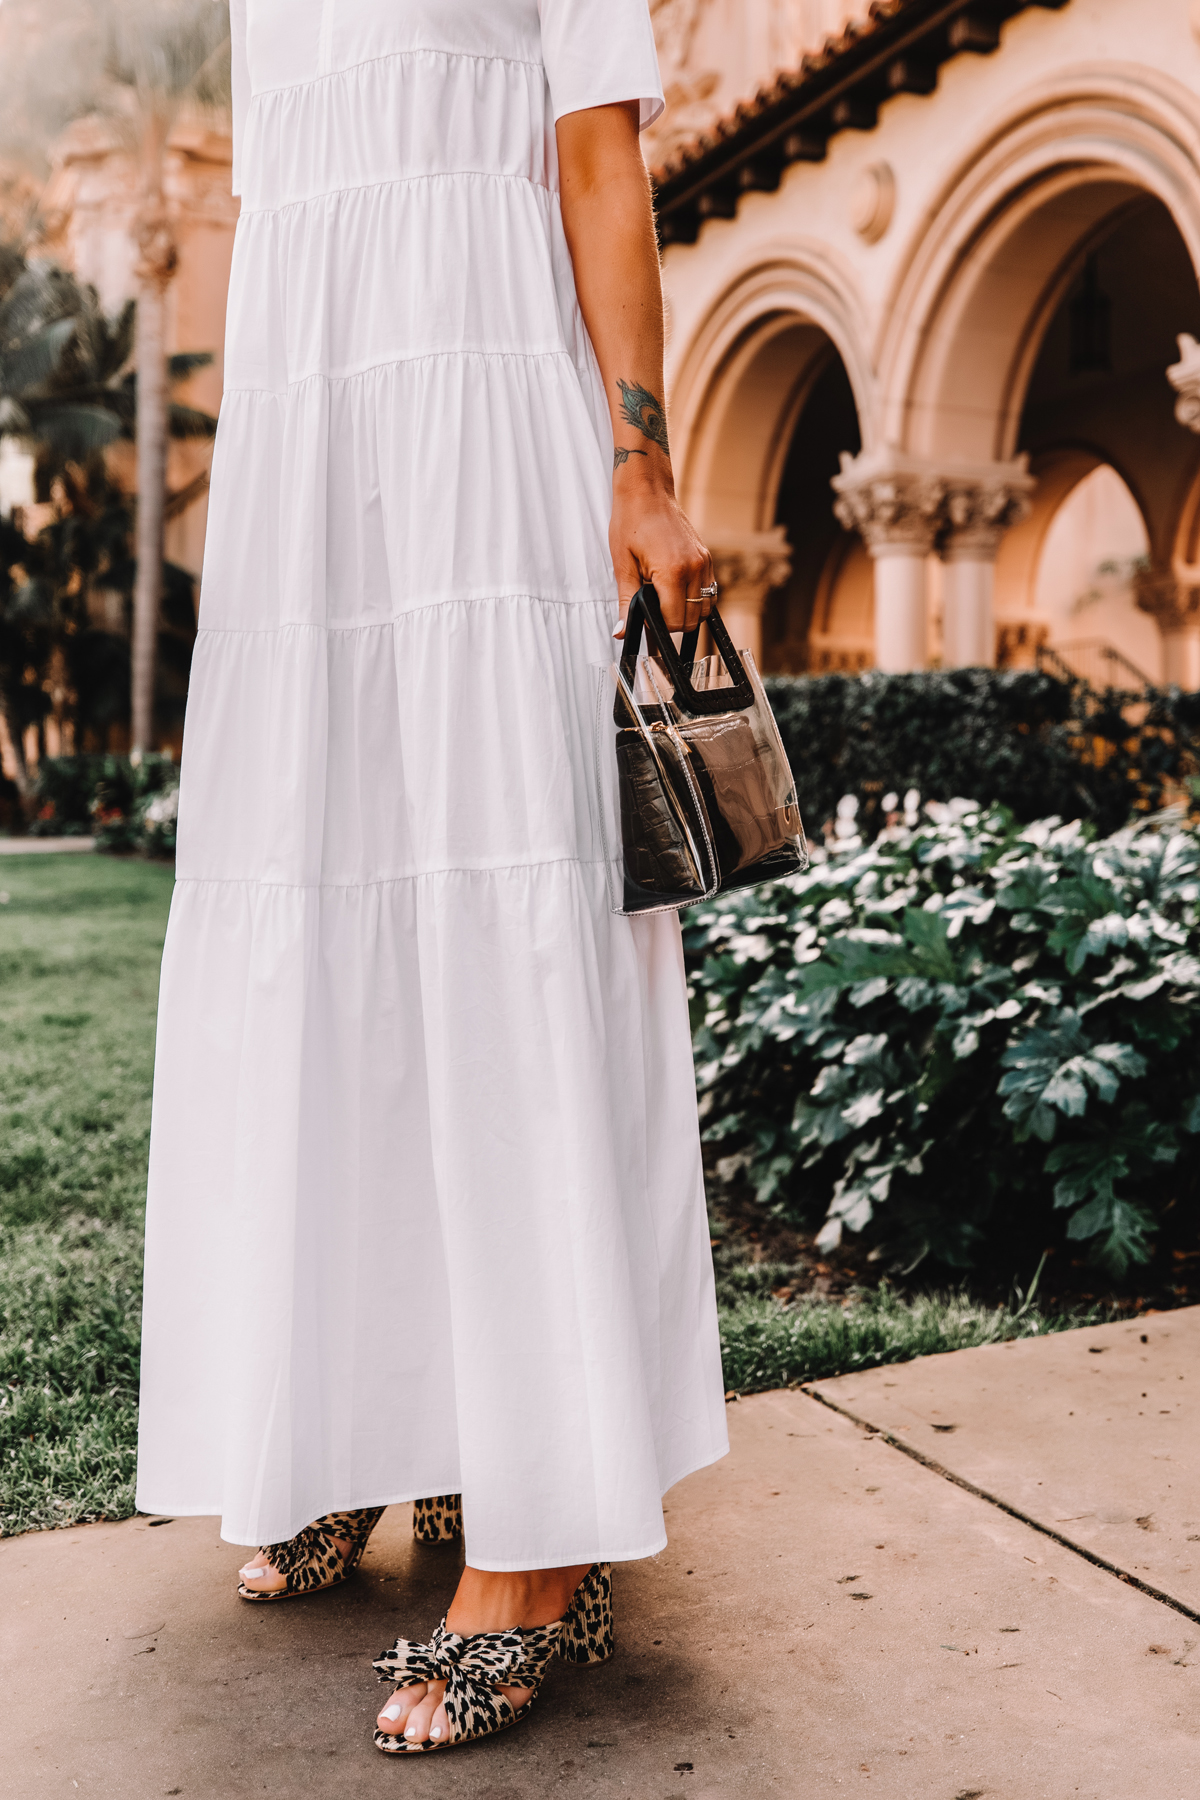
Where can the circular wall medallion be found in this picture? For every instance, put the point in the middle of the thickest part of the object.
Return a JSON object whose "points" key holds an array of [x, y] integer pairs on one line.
{"points": [[872, 201]]}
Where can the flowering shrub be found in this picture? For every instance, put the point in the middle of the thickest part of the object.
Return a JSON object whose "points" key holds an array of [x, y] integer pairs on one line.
{"points": [[126, 806], [157, 815], [960, 1031]]}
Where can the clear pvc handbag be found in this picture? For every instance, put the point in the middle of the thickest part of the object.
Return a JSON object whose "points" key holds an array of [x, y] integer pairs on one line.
{"points": [[695, 795]]}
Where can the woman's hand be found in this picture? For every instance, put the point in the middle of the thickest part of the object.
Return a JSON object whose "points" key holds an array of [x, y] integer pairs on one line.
{"points": [[653, 540]]}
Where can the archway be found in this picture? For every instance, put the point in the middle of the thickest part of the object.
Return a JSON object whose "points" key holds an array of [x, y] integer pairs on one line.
{"points": [[1045, 236], [1085, 584], [823, 616], [766, 392]]}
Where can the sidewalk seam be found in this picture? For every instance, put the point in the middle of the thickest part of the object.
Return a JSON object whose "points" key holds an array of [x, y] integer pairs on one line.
{"points": [[1005, 1506]]}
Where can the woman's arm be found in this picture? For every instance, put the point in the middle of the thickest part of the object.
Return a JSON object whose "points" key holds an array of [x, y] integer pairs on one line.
{"points": [[609, 224]]}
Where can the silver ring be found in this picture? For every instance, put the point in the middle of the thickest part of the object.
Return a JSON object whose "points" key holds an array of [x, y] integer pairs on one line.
{"points": [[709, 593]]}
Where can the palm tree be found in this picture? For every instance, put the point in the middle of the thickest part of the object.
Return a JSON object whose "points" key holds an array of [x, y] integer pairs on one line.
{"points": [[138, 63], [160, 54], [68, 390]]}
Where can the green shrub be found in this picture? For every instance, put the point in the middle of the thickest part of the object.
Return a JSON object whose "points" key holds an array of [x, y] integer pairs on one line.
{"points": [[963, 1037], [1033, 743], [126, 806]]}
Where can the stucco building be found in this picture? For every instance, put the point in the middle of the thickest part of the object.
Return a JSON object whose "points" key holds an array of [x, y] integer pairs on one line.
{"points": [[927, 263], [926, 279]]}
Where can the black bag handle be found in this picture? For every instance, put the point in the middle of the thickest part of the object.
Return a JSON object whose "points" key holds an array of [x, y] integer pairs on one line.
{"points": [[644, 610]]}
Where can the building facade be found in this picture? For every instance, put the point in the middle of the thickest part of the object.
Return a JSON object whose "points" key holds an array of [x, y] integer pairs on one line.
{"points": [[933, 321], [932, 299]]}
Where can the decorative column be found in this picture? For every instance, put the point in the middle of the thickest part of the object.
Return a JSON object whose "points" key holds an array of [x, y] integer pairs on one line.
{"points": [[748, 565], [894, 503], [1175, 607], [980, 504]]}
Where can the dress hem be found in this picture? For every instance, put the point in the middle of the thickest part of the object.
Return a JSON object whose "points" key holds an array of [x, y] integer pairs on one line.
{"points": [[488, 1566]]}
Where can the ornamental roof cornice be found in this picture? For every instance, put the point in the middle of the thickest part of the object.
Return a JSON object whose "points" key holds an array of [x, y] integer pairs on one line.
{"points": [[896, 49]]}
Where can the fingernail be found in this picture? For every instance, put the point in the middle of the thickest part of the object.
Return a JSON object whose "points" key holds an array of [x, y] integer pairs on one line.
{"points": [[392, 1712]]}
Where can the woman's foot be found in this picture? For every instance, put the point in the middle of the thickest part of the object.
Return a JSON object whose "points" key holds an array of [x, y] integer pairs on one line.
{"points": [[320, 1556], [262, 1577], [484, 1602]]}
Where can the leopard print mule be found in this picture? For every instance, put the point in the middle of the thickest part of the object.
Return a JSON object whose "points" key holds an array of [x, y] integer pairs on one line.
{"points": [[476, 1668], [311, 1560], [438, 1520]]}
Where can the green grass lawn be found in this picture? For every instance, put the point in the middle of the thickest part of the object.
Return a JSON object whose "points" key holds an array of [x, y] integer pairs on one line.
{"points": [[80, 941]]}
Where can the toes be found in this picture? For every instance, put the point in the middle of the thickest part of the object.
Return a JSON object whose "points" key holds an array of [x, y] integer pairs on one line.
{"points": [[261, 1578], [395, 1713], [427, 1719]]}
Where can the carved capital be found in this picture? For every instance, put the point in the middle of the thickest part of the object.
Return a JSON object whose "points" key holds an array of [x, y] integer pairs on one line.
{"points": [[980, 506], [891, 501], [1184, 377], [1173, 604], [900, 502], [748, 565]]}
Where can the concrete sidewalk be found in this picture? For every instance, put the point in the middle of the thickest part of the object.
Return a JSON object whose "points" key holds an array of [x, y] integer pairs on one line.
{"points": [[832, 1617], [35, 846]]}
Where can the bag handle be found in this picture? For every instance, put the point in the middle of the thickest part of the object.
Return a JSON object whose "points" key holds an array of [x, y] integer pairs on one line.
{"points": [[645, 610]]}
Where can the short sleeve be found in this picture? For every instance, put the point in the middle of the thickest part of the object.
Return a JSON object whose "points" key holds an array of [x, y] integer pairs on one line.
{"points": [[597, 52], [239, 79]]}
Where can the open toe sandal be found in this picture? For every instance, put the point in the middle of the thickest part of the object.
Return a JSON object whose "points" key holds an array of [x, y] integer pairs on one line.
{"points": [[476, 1668], [311, 1560]]}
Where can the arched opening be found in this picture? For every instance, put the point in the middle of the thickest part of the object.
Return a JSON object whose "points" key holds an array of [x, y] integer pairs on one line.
{"points": [[1037, 320], [773, 416], [1099, 378], [823, 616], [1085, 584], [1114, 464]]}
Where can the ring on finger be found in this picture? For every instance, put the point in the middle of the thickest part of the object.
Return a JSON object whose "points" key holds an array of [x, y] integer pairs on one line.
{"points": [[709, 593]]}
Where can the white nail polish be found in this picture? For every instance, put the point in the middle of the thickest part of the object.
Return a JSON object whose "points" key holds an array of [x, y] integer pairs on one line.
{"points": [[392, 1712], [435, 1731], [410, 1731]]}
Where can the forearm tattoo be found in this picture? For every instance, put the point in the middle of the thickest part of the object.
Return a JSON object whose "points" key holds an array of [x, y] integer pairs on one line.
{"points": [[640, 408], [621, 455]]}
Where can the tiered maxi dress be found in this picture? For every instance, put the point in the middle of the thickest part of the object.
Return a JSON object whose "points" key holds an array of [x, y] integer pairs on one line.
{"points": [[426, 1210]]}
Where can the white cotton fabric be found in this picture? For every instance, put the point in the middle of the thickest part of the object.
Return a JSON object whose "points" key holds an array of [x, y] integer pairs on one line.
{"points": [[426, 1210]]}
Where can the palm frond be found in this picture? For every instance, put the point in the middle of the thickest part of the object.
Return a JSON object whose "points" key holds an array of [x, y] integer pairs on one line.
{"points": [[186, 362], [30, 364], [73, 430], [190, 422]]}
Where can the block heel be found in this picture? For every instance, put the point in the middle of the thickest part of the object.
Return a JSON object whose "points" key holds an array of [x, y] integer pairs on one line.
{"points": [[587, 1628], [438, 1520]]}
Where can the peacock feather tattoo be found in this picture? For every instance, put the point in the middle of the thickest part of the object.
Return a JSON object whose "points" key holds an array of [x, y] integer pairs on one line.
{"points": [[639, 407]]}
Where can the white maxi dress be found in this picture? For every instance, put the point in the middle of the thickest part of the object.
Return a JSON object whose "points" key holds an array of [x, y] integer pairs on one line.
{"points": [[426, 1211]]}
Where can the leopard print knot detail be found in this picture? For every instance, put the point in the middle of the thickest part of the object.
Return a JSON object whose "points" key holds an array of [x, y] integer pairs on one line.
{"points": [[474, 1669]]}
